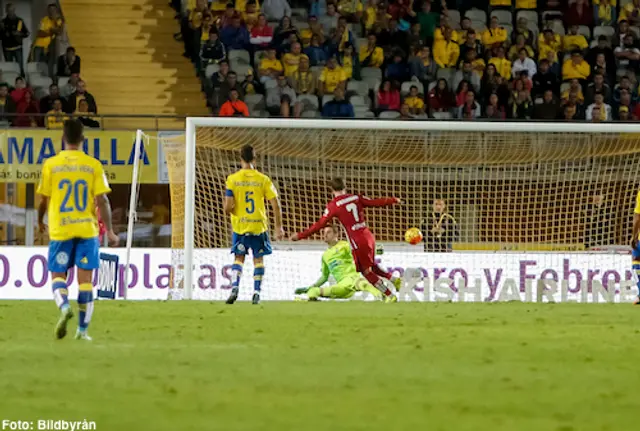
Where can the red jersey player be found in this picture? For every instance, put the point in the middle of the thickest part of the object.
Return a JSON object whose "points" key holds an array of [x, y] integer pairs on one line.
{"points": [[349, 209]]}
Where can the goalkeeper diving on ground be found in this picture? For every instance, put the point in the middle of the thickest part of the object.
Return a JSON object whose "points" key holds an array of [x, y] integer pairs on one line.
{"points": [[337, 261]]}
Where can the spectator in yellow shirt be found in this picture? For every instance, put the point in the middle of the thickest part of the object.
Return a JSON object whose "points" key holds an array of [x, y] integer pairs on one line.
{"points": [[500, 3], [446, 51], [351, 9], [414, 101], [495, 35], [56, 117], [576, 67], [291, 60], [270, 66], [502, 64], [370, 13], [548, 41], [604, 11], [574, 87], [573, 40], [50, 27], [438, 35], [332, 76], [631, 12], [371, 55]]}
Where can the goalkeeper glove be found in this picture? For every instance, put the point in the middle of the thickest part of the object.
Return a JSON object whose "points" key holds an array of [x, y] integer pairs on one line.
{"points": [[301, 290]]}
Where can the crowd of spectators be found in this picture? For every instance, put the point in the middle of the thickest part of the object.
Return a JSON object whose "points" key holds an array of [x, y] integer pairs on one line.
{"points": [[496, 59], [32, 97]]}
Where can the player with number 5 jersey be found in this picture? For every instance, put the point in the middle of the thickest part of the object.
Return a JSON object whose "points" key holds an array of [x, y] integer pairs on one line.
{"points": [[349, 209], [70, 186], [245, 195]]}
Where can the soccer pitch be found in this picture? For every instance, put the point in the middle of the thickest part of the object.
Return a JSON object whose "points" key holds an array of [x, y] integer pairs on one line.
{"points": [[193, 365]]}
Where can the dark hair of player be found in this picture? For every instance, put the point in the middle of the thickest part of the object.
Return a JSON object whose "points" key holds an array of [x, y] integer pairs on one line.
{"points": [[247, 154], [337, 184], [73, 132]]}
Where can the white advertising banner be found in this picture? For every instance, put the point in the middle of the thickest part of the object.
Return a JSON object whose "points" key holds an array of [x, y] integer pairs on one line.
{"points": [[473, 277]]}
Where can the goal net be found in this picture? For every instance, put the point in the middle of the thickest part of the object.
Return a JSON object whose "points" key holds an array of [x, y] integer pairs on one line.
{"points": [[508, 186]]}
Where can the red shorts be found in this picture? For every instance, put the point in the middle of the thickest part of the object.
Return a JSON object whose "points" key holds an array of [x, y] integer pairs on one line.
{"points": [[363, 248]]}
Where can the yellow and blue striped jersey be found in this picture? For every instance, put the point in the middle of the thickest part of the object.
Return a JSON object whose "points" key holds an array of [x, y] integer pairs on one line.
{"points": [[72, 180], [249, 189]]}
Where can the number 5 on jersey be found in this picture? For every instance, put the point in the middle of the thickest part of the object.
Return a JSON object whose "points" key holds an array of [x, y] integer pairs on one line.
{"points": [[251, 204]]}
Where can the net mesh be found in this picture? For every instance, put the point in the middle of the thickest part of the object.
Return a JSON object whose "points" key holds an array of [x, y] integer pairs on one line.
{"points": [[505, 190]]}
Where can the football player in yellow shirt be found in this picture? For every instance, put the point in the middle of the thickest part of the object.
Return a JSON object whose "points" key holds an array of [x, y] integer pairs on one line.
{"points": [[246, 191], [70, 183]]}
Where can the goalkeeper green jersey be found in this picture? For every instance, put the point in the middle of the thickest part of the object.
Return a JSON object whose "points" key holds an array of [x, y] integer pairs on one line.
{"points": [[338, 261]]}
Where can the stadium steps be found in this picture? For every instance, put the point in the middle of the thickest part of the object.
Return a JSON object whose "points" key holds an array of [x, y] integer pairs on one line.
{"points": [[130, 61]]}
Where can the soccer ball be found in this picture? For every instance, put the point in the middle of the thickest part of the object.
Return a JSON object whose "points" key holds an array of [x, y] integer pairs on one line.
{"points": [[413, 236]]}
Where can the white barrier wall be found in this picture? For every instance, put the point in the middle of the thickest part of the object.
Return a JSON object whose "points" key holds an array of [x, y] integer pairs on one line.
{"points": [[534, 277]]}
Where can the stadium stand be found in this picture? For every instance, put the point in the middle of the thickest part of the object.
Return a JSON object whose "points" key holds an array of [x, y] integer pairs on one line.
{"points": [[131, 63], [508, 52]]}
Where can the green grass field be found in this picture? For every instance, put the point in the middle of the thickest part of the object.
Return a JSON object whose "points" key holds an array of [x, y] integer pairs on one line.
{"points": [[326, 366]]}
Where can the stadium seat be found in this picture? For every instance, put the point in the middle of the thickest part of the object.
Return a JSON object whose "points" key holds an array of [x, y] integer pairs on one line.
{"points": [[327, 98], [254, 101], [389, 115], [585, 31], [605, 30], [299, 12], [406, 87], [40, 81], [432, 85], [360, 42], [41, 92], [211, 69], [363, 113], [309, 101], [550, 15], [504, 16], [311, 114], [454, 17], [477, 15], [636, 31], [9, 66], [446, 74], [238, 57], [371, 72], [10, 77], [478, 26], [359, 101], [558, 26], [62, 81], [270, 83], [257, 56], [509, 29], [241, 69], [359, 87], [530, 15], [564, 87], [373, 83], [442, 115], [34, 68]]}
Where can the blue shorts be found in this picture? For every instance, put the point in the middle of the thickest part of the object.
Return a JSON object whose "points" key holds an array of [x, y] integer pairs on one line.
{"points": [[80, 252], [258, 244], [635, 253]]}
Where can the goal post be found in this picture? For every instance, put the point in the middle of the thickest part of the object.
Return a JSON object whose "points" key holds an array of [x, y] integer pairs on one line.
{"points": [[522, 185]]}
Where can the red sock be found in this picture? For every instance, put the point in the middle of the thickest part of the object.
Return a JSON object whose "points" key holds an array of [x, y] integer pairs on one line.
{"points": [[377, 282], [381, 272]]}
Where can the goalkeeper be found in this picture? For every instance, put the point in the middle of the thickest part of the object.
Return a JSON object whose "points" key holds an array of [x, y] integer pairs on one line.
{"points": [[338, 261]]}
